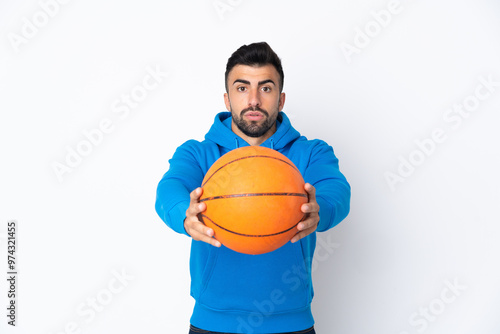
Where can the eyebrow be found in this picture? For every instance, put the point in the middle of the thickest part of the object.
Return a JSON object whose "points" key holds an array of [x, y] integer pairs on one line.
{"points": [[248, 82]]}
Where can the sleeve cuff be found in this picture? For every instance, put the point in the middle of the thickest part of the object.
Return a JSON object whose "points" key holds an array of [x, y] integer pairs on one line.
{"points": [[177, 215], [325, 214]]}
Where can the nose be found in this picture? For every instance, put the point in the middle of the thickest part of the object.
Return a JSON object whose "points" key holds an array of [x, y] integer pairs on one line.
{"points": [[254, 98]]}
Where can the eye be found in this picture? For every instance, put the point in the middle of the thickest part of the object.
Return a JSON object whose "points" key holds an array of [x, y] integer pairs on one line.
{"points": [[266, 89], [241, 89]]}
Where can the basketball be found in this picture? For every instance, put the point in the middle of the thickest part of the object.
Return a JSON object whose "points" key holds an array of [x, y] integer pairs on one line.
{"points": [[253, 197]]}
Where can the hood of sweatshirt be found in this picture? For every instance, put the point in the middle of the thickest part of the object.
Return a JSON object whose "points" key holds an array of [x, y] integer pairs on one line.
{"points": [[222, 135]]}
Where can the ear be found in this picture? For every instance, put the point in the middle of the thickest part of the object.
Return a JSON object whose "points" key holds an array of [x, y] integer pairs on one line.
{"points": [[226, 102], [281, 102]]}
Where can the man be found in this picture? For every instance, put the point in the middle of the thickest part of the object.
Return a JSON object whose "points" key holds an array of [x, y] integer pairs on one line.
{"points": [[240, 293]]}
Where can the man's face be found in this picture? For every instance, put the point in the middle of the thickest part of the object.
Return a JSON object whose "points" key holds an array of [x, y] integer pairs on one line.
{"points": [[254, 100]]}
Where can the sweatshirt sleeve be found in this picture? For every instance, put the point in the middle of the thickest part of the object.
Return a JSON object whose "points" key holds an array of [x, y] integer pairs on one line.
{"points": [[333, 192], [172, 194]]}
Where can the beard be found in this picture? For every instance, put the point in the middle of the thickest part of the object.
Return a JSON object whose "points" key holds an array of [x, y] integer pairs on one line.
{"points": [[253, 128]]}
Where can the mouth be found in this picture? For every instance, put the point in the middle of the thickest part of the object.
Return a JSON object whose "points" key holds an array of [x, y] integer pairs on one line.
{"points": [[254, 115]]}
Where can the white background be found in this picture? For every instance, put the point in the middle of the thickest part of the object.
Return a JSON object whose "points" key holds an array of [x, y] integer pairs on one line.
{"points": [[395, 251]]}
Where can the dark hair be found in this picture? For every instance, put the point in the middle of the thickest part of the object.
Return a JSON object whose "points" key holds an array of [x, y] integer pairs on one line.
{"points": [[255, 54]]}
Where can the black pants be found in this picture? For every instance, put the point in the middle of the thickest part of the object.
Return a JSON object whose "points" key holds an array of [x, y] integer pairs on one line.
{"points": [[196, 330]]}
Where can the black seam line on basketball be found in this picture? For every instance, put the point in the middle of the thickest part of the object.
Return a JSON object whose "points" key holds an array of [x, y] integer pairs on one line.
{"points": [[252, 235], [250, 156], [253, 194]]}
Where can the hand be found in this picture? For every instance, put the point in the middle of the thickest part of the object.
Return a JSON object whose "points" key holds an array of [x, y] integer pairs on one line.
{"points": [[193, 226], [311, 220]]}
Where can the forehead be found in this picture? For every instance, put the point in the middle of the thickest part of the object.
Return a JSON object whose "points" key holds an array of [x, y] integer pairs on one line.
{"points": [[253, 73]]}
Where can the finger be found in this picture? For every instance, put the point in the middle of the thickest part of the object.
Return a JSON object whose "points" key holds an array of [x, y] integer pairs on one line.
{"points": [[303, 234], [306, 227], [200, 232], [207, 235], [195, 194], [206, 238], [200, 207], [201, 228], [209, 240], [310, 189], [311, 207], [195, 208], [308, 223]]}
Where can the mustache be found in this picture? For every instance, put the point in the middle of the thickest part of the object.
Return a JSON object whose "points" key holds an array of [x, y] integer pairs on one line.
{"points": [[254, 109]]}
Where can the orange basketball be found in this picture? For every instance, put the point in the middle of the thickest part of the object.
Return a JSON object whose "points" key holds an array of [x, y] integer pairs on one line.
{"points": [[253, 196]]}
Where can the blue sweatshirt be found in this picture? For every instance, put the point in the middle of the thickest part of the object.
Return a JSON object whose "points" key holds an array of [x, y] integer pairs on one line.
{"points": [[241, 293]]}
